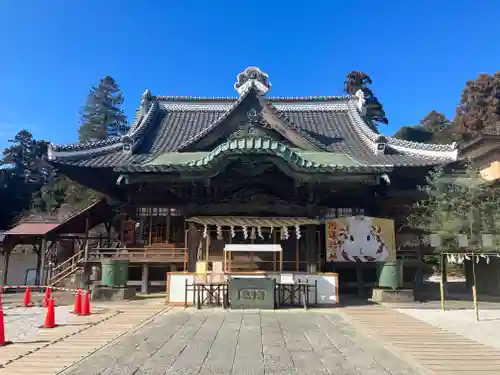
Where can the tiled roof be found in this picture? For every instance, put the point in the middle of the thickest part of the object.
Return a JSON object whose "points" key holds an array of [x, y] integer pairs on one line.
{"points": [[312, 161], [329, 123]]}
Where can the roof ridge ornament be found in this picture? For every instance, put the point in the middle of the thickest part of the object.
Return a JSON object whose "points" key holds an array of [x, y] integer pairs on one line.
{"points": [[360, 101], [252, 76], [146, 100]]}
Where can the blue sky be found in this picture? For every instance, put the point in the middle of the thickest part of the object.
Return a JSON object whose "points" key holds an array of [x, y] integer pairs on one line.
{"points": [[419, 53]]}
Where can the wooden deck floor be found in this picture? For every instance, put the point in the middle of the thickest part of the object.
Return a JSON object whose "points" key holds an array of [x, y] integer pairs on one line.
{"points": [[440, 351]]}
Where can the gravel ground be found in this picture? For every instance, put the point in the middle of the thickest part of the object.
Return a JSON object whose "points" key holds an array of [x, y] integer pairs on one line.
{"points": [[463, 322], [23, 323]]}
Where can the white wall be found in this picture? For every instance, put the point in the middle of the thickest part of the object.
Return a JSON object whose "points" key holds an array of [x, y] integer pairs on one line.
{"points": [[19, 264]]}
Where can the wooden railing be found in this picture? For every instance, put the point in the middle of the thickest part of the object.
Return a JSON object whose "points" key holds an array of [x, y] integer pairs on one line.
{"points": [[142, 255], [66, 268]]}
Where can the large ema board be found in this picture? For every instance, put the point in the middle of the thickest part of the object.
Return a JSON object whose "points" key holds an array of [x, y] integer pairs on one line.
{"points": [[360, 238]]}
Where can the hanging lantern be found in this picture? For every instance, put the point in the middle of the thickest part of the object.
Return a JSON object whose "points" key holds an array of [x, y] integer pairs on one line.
{"points": [[259, 233], [252, 234], [205, 231], [233, 233], [245, 231], [477, 260], [219, 233], [487, 260], [271, 232], [297, 232]]}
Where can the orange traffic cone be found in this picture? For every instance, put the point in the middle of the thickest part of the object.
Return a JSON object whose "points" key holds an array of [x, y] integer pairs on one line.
{"points": [[46, 298], [78, 303], [27, 297], [2, 326], [50, 316], [86, 304]]}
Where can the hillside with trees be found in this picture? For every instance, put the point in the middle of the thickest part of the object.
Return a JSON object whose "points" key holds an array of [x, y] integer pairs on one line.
{"points": [[30, 185]]}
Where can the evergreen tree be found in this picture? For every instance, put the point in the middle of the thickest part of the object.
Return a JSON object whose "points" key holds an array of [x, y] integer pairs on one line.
{"points": [[457, 202], [375, 113], [102, 117], [479, 109], [434, 128], [24, 172]]}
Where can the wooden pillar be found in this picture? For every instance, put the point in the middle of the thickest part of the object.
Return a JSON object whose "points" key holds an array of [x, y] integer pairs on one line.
{"points": [[167, 234], [444, 271], [193, 242], [207, 248], [419, 275], [145, 278], [86, 239], [150, 233], [311, 249], [297, 254], [6, 253], [43, 248], [274, 252]]}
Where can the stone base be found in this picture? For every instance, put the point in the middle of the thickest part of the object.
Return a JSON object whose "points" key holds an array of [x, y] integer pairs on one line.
{"points": [[113, 294], [389, 295]]}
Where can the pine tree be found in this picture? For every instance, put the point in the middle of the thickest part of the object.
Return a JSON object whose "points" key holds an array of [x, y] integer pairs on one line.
{"points": [[457, 202], [24, 173], [375, 113], [102, 117]]}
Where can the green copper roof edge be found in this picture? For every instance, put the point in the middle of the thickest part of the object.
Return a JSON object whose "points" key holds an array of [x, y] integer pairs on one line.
{"points": [[259, 145]]}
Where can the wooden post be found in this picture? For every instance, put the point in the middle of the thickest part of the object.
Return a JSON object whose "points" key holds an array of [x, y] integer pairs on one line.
{"points": [[320, 259], [186, 259], [274, 252], [193, 241], [167, 234], [207, 250], [227, 254], [297, 255], [281, 261], [150, 232], [86, 239], [474, 290], [43, 249], [6, 253], [311, 248]]}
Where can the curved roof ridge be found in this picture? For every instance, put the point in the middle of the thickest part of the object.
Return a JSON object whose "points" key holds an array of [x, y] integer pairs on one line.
{"points": [[449, 151], [292, 125], [258, 145], [133, 134], [216, 122]]}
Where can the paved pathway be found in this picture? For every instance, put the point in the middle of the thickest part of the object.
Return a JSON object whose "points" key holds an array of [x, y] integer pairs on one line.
{"points": [[443, 352], [187, 341], [53, 350]]}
